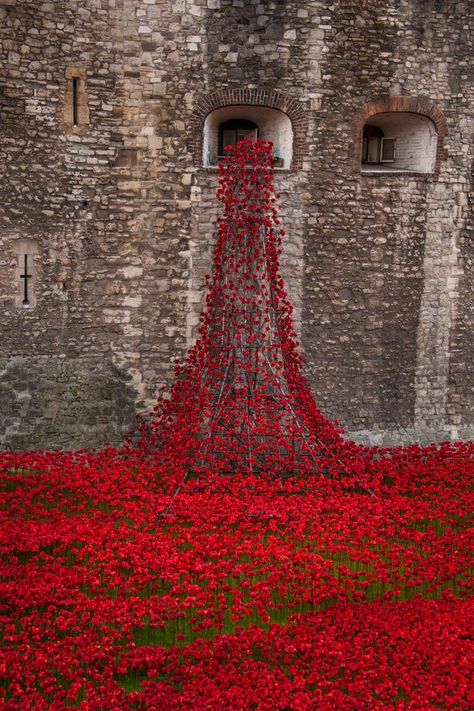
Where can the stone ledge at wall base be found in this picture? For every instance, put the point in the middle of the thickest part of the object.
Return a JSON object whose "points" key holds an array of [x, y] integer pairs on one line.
{"points": [[412, 435], [49, 402]]}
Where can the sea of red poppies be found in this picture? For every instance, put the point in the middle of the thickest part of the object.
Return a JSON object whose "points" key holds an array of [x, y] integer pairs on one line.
{"points": [[237, 592]]}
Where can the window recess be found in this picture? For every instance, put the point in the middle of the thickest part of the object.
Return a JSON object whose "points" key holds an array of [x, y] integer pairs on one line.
{"points": [[228, 125], [398, 142], [76, 109], [25, 273]]}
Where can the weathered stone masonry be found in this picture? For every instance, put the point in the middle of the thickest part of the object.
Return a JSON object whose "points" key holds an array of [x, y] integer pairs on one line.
{"points": [[113, 208]]}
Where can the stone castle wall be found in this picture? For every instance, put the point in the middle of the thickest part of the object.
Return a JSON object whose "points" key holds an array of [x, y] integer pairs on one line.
{"points": [[116, 212]]}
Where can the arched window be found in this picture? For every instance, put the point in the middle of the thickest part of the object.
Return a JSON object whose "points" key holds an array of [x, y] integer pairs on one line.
{"points": [[417, 128], [398, 142], [233, 131], [228, 125], [280, 118]]}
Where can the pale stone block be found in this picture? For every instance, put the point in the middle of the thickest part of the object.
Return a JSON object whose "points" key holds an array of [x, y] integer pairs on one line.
{"points": [[131, 272], [159, 88], [130, 330], [133, 186], [132, 301], [155, 143]]}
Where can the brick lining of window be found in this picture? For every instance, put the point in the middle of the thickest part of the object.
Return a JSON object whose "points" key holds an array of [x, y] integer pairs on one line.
{"points": [[404, 104], [251, 97]]}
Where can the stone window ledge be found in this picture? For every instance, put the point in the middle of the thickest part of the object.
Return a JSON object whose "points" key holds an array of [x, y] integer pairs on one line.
{"points": [[399, 172], [215, 169]]}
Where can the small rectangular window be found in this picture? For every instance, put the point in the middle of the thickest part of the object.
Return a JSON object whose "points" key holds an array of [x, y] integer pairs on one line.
{"points": [[229, 138], [365, 150], [387, 150], [373, 147], [233, 131], [246, 133]]}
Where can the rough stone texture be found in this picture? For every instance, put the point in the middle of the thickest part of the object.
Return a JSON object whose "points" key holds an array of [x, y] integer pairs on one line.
{"points": [[121, 213], [60, 402]]}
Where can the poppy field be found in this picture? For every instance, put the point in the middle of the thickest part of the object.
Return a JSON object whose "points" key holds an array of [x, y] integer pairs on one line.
{"points": [[243, 593]]}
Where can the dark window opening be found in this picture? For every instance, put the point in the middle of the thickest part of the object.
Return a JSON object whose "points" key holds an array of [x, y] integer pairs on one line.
{"points": [[371, 144], [231, 132], [25, 276], [75, 101], [376, 148]]}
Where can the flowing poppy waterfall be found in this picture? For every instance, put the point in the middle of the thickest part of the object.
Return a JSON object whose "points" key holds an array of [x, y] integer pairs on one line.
{"points": [[348, 591], [240, 402]]}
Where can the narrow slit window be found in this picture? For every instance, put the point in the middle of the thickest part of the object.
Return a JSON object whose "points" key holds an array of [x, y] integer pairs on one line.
{"points": [[75, 101], [25, 276], [76, 108]]}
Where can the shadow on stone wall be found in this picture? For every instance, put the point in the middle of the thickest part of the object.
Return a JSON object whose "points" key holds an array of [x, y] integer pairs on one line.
{"points": [[50, 402]]}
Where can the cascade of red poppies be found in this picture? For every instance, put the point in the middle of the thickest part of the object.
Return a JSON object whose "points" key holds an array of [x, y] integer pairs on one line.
{"points": [[239, 402]]}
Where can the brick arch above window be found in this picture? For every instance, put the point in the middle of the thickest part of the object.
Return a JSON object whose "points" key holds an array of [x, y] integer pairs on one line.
{"points": [[251, 97], [403, 104]]}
